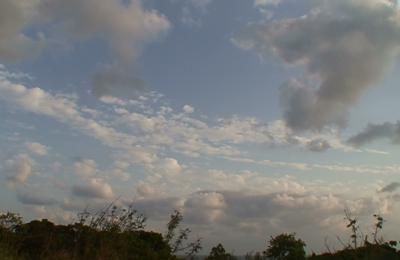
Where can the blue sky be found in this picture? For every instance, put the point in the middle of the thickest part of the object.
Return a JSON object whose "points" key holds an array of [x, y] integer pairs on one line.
{"points": [[252, 118]]}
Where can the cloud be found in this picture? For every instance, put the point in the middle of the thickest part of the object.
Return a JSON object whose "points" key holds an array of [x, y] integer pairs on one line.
{"points": [[85, 168], [188, 109], [391, 187], [35, 199], [110, 79], [126, 27], [94, 188], [121, 164], [36, 148], [188, 19], [343, 50], [157, 208], [201, 3], [294, 165], [211, 200], [385, 170], [146, 190], [14, 45], [267, 2], [373, 132], [21, 168], [38, 101], [318, 145]]}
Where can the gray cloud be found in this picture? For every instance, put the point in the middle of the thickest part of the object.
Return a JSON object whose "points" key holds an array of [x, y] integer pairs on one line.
{"points": [[111, 78], [94, 188], [146, 190], [21, 172], [343, 48], [391, 187], [14, 45], [376, 131], [157, 208], [77, 159], [318, 145], [35, 199], [127, 27], [21, 169]]}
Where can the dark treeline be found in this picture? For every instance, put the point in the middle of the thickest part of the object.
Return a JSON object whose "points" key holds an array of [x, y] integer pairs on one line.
{"points": [[117, 233]]}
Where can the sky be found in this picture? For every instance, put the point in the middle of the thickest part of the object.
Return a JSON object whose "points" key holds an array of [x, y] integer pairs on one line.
{"points": [[252, 118]]}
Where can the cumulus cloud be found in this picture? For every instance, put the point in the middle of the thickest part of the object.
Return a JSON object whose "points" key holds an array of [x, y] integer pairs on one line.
{"points": [[373, 132], [93, 188], [343, 48], [188, 109], [157, 208], [85, 167], [121, 164], [212, 200], [391, 187], [146, 190], [35, 199], [21, 172], [126, 27], [110, 79], [38, 101], [21, 168], [14, 16], [36, 148], [165, 166]]}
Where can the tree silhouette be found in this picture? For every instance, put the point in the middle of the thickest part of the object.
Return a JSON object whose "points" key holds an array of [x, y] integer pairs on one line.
{"points": [[218, 253], [285, 247]]}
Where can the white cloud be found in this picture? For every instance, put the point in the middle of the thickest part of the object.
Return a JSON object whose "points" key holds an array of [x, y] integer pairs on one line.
{"points": [[188, 109], [38, 101], [93, 188], [211, 200], [267, 2], [165, 167], [36, 148], [121, 164], [126, 27], [376, 169], [86, 168], [21, 168], [145, 190]]}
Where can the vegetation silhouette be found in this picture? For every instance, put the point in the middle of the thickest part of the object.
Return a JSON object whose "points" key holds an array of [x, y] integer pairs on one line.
{"points": [[118, 233], [114, 233]]}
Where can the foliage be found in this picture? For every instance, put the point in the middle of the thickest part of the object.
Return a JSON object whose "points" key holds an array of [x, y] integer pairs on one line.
{"points": [[177, 245], [218, 253], [285, 247], [114, 233], [351, 222], [117, 233]]}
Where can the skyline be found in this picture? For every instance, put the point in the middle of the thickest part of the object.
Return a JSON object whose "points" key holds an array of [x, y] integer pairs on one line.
{"points": [[253, 118]]}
